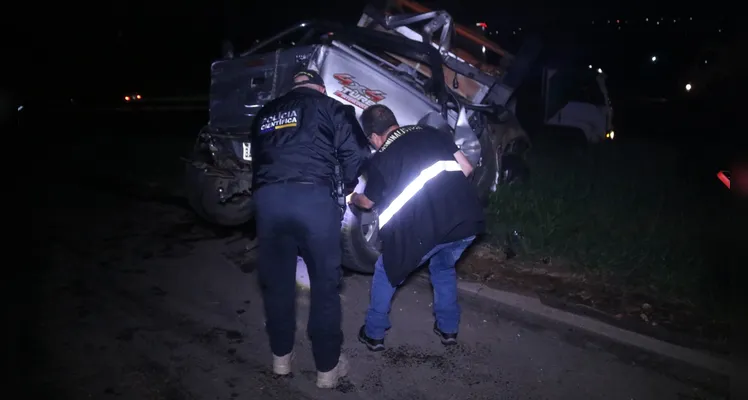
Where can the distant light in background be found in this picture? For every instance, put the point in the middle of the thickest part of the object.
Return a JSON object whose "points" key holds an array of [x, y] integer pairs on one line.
{"points": [[599, 70], [646, 19], [483, 49], [589, 66], [688, 87], [654, 58], [127, 98], [138, 97]]}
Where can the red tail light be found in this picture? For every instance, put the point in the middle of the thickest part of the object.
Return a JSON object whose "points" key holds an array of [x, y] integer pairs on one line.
{"points": [[724, 178]]}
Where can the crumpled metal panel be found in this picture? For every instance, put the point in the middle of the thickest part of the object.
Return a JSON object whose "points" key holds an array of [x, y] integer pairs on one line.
{"points": [[466, 140], [352, 79], [435, 120]]}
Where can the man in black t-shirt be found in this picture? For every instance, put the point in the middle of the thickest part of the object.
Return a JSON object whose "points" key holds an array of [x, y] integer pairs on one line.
{"points": [[428, 210]]}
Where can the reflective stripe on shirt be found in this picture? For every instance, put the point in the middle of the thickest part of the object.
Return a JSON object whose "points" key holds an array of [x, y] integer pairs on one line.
{"points": [[415, 186]]}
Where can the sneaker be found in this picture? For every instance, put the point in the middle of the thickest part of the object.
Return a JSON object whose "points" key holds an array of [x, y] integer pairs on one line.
{"points": [[282, 365], [330, 379], [447, 339], [371, 344]]}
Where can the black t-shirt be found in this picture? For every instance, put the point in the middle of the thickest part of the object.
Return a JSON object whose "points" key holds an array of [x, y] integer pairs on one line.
{"points": [[446, 209]]}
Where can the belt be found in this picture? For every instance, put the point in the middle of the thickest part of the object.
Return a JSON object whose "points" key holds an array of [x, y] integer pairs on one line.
{"points": [[303, 181]]}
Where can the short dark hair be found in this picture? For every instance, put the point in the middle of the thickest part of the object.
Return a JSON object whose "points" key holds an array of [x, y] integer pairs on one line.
{"points": [[376, 119]]}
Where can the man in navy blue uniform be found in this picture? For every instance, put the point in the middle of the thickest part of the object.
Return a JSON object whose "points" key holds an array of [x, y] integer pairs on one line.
{"points": [[297, 142], [428, 212]]}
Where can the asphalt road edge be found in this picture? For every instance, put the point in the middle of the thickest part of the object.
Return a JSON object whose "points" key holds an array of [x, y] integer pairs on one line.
{"points": [[710, 372], [520, 304]]}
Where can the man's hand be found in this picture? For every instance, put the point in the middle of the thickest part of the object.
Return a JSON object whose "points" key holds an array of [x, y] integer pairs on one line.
{"points": [[360, 200]]}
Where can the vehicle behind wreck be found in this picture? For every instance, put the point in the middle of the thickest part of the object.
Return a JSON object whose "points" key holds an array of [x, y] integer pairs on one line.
{"points": [[406, 62]]}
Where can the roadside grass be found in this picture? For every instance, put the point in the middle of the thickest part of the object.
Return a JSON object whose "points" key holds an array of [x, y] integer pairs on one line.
{"points": [[624, 210]]}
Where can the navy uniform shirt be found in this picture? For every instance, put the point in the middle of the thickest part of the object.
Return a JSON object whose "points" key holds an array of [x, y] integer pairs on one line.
{"points": [[446, 209]]}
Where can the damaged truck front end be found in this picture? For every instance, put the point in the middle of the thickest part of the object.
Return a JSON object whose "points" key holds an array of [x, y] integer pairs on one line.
{"points": [[384, 60], [218, 176]]}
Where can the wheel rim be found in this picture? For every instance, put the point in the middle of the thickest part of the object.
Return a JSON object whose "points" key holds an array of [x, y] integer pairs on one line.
{"points": [[370, 227]]}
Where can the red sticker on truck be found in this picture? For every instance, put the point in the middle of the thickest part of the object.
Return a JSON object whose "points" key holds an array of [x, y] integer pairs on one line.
{"points": [[356, 93]]}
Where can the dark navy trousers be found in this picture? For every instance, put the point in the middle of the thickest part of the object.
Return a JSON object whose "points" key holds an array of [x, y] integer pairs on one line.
{"points": [[293, 219]]}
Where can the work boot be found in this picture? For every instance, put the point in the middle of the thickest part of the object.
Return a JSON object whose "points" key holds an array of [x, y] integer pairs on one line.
{"points": [[371, 344], [331, 378], [447, 339], [282, 364]]}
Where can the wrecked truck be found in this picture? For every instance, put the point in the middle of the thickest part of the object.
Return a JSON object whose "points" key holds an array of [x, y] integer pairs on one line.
{"points": [[406, 62]]}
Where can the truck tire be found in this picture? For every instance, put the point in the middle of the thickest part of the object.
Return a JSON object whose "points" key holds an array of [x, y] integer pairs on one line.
{"points": [[359, 237], [202, 195]]}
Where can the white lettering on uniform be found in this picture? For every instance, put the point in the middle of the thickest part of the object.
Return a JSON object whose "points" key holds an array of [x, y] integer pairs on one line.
{"points": [[396, 135], [285, 119], [415, 186]]}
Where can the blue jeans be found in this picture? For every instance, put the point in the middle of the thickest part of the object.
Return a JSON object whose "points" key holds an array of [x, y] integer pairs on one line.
{"points": [[443, 278]]}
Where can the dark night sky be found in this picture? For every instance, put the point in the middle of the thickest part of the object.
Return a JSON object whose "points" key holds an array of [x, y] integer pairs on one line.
{"points": [[171, 43]]}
